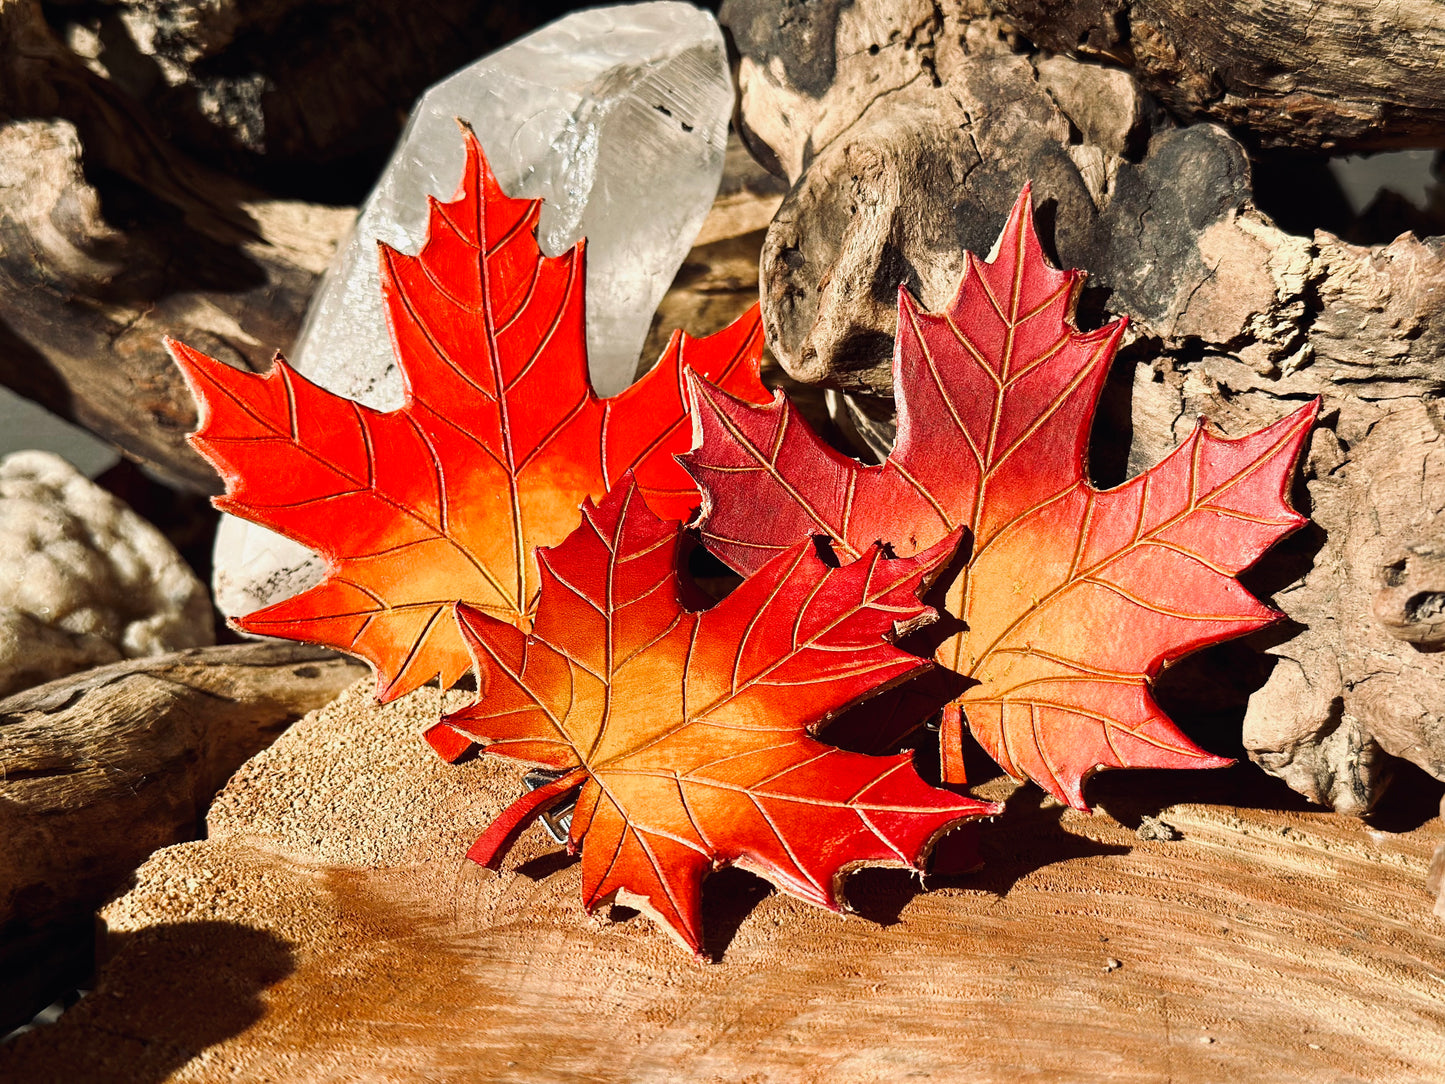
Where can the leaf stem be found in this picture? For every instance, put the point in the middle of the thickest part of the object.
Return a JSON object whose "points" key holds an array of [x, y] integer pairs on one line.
{"points": [[497, 840]]}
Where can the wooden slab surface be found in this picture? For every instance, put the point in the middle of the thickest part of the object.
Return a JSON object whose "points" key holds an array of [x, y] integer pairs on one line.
{"points": [[330, 931]]}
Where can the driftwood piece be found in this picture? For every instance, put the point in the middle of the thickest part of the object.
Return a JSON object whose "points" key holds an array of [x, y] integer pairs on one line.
{"points": [[1333, 75], [85, 305], [297, 94], [42, 79], [915, 152], [99, 769], [110, 240], [1363, 328], [871, 112], [330, 921]]}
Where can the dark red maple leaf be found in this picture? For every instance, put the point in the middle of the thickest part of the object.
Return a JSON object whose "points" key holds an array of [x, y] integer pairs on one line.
{"points": [[498, 441], [1072, 599], [688, 733]]}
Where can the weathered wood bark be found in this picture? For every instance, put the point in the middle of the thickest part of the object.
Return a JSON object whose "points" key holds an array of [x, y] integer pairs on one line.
{"points": [[329, 920], [1333, 75], [41, 79], [1358, 674], [915, 151], [92, 278], [296, 94], [100, 769], [85, 306]]}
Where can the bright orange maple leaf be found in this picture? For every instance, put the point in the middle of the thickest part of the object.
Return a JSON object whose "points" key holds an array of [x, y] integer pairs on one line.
{"points": [[1072, 598], [688, 733], [498, 441]]}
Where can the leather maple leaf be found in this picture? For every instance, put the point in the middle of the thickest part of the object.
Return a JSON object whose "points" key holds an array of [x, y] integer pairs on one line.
{"points": [[1072, 598], [688, 733], [499, 439]]}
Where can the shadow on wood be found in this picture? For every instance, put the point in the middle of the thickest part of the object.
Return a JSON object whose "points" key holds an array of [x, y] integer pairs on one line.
{"points": [[155, 981]]}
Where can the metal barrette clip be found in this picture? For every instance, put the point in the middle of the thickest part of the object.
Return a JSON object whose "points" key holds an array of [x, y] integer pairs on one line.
{"points": [[558, 819]]}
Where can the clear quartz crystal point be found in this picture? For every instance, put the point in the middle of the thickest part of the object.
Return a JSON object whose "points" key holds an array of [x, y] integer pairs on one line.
{"points": [[616, 117]]}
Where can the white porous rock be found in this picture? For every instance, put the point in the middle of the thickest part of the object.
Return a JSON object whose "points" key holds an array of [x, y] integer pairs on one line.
{"points": [[83, 579], [617, 118]]}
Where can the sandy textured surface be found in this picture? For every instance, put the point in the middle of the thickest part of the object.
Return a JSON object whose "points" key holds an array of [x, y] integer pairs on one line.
{"points": [[329, 930]]}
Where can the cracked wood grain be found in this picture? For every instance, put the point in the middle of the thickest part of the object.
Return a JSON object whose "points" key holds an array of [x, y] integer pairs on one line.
{"points": [[1351, 75], [86, 293]]}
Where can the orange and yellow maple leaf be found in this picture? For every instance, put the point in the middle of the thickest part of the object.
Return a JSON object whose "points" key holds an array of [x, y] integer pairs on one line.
{"points": [[498, 441], [688, 733], [1072, 599]]}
